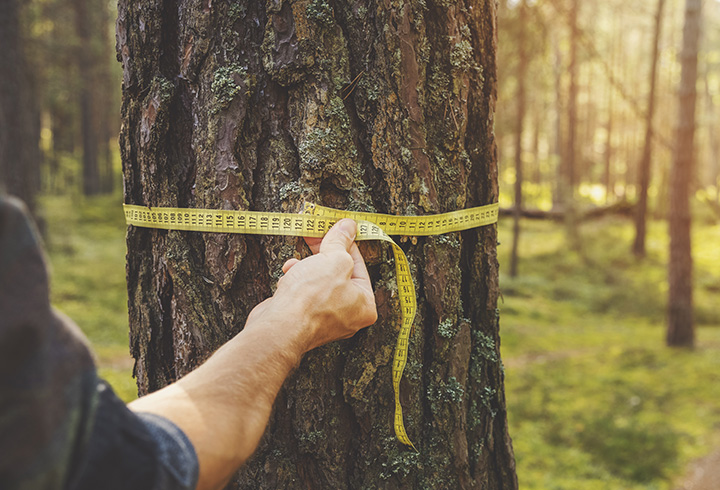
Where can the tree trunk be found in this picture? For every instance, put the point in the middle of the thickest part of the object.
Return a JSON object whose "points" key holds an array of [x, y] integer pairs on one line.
{"points": [[88, 122], [644, 169], [570, 174], [519, 119], [558, 143], [713, 128], [19, 118], [366, 106], [104, 95], [680, 330]]}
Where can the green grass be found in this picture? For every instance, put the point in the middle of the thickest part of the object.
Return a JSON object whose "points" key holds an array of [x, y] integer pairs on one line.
{"points": [[85, 241], [595, 399]]}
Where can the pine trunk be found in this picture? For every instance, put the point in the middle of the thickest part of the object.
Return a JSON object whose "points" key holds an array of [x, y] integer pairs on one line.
{"points": [[19, 119], [88, 120], [680, 330], [519, 129], [379, 107], [644, 169]]}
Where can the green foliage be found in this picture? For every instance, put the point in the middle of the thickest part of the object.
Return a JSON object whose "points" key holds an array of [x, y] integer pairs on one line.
{"points": [[595, 399]]}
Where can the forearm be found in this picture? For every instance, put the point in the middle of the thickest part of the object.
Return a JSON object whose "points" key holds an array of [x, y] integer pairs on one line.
{"points": [[224, 405]]}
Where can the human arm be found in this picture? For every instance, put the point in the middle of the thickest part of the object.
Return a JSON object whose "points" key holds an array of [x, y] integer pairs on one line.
{"points": [[224, 405]]}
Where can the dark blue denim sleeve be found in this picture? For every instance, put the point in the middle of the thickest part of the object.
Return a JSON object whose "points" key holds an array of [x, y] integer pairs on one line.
{"points": [[134, 451]]}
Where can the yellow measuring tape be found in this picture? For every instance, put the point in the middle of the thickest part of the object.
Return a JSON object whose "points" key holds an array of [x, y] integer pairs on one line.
{"points": [[316, 221]]}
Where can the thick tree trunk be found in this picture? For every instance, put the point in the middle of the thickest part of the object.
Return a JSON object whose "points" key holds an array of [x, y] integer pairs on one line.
{"points": [[369, 106], [680, 330], [644, 169], [19, 120]]}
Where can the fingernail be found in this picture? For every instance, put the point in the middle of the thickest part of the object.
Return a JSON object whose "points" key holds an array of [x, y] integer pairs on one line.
{"points": [[349, 227]]}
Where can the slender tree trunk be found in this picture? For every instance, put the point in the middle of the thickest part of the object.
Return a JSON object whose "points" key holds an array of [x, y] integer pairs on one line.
{"points": [[570, 180], [713, 127], [559, 147], [357, 106], [644, 168], [537, 118], [519, 118], [105, 106], [19, 117], [88, 123], [680, 330], [608, 180]]}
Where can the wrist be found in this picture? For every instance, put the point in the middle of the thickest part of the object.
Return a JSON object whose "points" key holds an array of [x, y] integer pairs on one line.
{"points": [[286, 324]]}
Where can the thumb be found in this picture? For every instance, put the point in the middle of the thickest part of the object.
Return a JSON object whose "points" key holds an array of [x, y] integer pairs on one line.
{"points": [[340, 237]]}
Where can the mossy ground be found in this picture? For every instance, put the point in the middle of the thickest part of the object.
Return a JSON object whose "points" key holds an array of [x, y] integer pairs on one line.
{"points": [[595, 399], [85, 244]]}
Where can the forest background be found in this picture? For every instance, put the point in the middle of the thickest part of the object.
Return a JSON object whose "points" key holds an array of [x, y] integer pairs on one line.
{"points": [[595, 397]]}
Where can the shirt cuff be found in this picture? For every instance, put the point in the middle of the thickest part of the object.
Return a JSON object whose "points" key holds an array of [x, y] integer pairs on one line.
{"points": [[175, 453]]}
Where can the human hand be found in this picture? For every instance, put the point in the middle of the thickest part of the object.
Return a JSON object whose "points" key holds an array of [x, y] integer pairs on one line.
{"points": [[327, 296]]}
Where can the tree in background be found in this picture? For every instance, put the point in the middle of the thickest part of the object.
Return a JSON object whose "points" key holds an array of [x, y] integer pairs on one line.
{"points": [[86, 60], [569, 178], [356, 105], [680, 331], [520, 116], [644, 168], [77, 93], [19, 119]]}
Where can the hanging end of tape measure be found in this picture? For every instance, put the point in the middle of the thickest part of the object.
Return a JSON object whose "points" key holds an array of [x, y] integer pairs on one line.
{"points": [[403, 438]]}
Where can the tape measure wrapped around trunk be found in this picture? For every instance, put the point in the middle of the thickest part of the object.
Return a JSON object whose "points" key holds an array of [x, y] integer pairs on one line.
{"points": [[316, 221]]}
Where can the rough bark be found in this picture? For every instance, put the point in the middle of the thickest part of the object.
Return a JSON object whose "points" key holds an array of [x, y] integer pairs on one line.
{"points": [[383, 107], [680, 331], [644, 168], [19, 120]]}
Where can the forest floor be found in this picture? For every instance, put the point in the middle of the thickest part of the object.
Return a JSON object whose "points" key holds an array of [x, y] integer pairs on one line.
{"points": [[703, 474], [595, 399]]}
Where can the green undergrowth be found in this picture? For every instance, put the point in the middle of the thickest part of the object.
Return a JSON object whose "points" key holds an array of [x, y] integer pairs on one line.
{"points": [[85, 243], [595, 399]]}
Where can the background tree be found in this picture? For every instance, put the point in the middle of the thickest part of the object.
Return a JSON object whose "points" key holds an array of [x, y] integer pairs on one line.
{"points": [[369, 106], [680, 331], [19, 119], [520, 116], [644, 168]]}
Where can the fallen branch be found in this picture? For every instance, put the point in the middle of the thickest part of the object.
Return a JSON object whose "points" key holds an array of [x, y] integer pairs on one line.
{"points": [[622, 208]]}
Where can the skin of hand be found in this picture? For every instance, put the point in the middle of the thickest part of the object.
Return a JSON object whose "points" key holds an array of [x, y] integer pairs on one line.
{"points": [[224, 405]]}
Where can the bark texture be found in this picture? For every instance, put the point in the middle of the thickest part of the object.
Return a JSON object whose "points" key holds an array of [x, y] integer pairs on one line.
{"points": [[377, 106]]}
